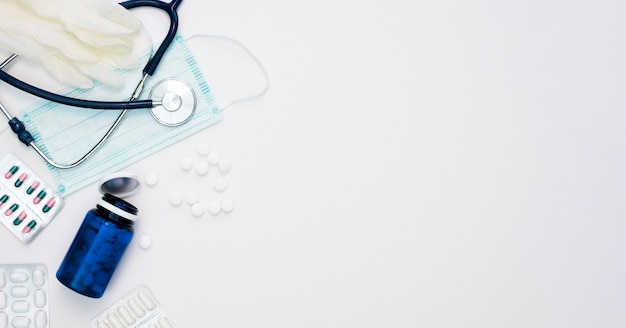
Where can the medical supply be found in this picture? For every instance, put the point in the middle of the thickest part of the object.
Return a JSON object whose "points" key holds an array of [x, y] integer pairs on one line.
{"points": [[214, 207], [202, 168], [145, 241], [203, 148], [98, 246], [225, 166], [227, 205], [27, 202], [186, 163], [213, 157], [24, 296], [176, 198], [76, 42], [192, 197], [197, 209], [151, 179], [172, 102], [67, 132], [220, 184], [137, 309]]}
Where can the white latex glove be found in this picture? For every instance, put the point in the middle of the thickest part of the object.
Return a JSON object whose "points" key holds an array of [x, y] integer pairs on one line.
{"points": [[77, 41]]}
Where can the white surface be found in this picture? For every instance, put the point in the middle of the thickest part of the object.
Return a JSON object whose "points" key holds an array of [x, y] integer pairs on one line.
{"points": [[414, 164]]}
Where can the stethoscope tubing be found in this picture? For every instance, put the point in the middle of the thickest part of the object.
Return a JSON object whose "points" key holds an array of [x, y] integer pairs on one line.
{"points": [[149, 69]]}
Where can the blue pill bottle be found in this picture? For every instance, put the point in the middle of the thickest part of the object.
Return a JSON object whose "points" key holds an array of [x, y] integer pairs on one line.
{"points": [[98, 246]]}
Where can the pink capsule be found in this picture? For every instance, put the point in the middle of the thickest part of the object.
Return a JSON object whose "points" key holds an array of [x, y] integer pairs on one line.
{"points": [[32, 187], [31, 225], [49, 205], [20, 180], [11, 171], [11, 210]]}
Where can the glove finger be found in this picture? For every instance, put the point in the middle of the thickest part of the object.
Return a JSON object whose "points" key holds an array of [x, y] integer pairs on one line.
{"points": [[66, 73]]}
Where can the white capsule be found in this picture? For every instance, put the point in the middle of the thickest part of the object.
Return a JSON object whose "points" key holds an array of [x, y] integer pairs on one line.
{"points": [[176, 198], [20, 322], [40, 298], [2, 281], [3, 300], [186, 163], [214, 208], [20, 306], [213, 157], [134, 306], [203, 149], [165, 323], [124, 313], [18, 276], [220, 184], [19, 291], [145, 241], [151, 179], [225, 166], [4, 320], [202, 168], [41, 319], [197, 209], [39, 277], [192, 197], [227, 205], [146, 300]]}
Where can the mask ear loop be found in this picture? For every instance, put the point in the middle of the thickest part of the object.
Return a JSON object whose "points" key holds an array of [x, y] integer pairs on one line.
{"points": [[238, 44]]}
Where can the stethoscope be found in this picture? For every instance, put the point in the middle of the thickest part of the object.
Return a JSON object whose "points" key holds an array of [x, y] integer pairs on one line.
{"points": [[172, 102]]}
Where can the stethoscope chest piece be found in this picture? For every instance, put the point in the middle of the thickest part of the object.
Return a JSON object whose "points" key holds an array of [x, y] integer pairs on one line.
{"points": [[174, 102]]}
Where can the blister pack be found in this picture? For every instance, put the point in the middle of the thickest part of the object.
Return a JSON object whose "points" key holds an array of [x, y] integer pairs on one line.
{"points": [[27, 203], [24, 296], [137, 309]]}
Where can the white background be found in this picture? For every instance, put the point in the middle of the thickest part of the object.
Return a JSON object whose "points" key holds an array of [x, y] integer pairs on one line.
{"points": [[414, 164]]}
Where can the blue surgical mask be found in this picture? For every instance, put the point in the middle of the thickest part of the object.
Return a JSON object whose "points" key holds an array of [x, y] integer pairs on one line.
{"points": [[67, 133]]}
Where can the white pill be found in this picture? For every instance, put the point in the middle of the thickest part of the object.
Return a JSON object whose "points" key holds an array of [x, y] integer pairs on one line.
{"points": [[186, 163], [214, 157], [220, 184], [146, 300], [215, 208], [18, 276], [227, 205], [40, 298], [192, 197], [20, 306], [19, 291], [145, 241], [203, 149], [41, 319], [2, 282], [151, 179], [134, 306], [176, 198], [39, 277], [3, 301], [20, 322], [4, 320], [202, 168], [197, 210], [225, 166]]}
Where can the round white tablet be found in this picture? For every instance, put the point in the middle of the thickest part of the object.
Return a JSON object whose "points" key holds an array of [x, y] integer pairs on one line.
{"points": [[213, 157], [225, 166], [186, 163], [145, 241], [227, 205], [220, 184], [202, 168], [151, 179], [203, 149], [197, 210], [192, 197], [215, 208], [176, 198]]}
